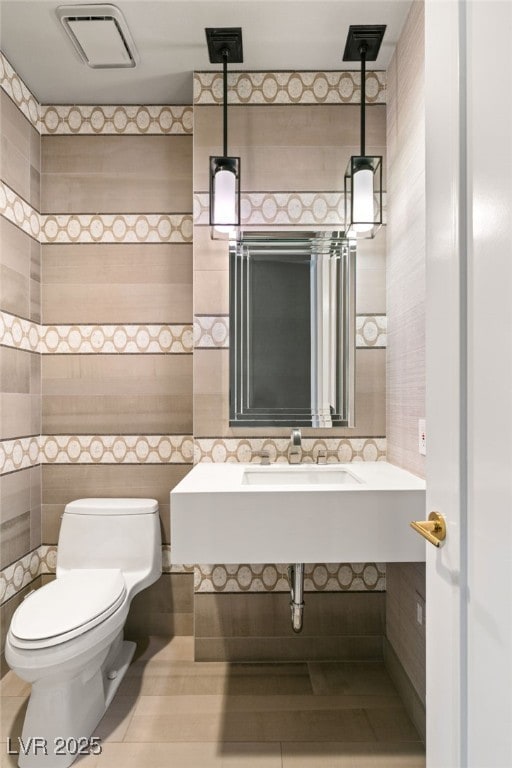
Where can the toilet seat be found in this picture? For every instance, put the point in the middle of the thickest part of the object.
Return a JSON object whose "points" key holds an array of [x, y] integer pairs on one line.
{"points": [[67, 607]]}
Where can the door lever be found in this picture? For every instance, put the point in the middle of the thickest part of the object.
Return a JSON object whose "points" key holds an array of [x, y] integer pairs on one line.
{"points": [[433, 529]]}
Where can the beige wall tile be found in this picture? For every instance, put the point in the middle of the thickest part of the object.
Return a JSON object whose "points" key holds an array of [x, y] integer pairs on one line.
{"points": [[406, 318], [256, 627], [111, 414], [406, 247], [15, 367], [413, 704], [165, 608], [254, 615], [405, 586], [20, 152], [21, 415], [211, 291], [209, 254], [287, 147], [116, 174], [15, 292], [35, 507], [117, 283], [14, 494], [19, 262], [371, 275], [117, 393], [14, 539], [65, 483]]}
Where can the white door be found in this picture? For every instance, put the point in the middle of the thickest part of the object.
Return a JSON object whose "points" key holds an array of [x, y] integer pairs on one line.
{"points": [[469, 381]]}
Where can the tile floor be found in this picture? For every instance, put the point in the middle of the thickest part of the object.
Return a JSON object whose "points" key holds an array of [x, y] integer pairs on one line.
{"points": [[171, 712]]}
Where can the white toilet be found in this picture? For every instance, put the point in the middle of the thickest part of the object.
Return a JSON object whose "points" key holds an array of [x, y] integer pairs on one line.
{"points": [[67, 637]]}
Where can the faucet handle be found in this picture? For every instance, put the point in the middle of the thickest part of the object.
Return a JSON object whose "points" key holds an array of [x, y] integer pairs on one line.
{"points": [[323, 454], [264, 455]]}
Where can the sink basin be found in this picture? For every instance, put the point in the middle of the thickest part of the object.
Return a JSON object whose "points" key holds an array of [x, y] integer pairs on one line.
{"points": [[317, 475], [248, 513]]}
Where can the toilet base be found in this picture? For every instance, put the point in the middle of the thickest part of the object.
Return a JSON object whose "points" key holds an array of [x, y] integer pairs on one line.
{"points": [[62, 714]]}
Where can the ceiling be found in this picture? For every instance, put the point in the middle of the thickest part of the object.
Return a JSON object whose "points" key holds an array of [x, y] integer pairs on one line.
{"points": [[170, 38]]}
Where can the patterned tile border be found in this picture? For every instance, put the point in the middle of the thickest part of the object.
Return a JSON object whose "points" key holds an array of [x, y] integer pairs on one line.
{"points": [[117, 228], [19, 453], [318, 577], [211, 332], [116, 449], [340, 449], [116, 339], [371, 331], [24, 452], [290, 87], [324, 209], [20, 574], [95, 228], [277, 208], [119, 120], [17, 576], [19, 333], [19, 212], [14, 87], [94, 339]]}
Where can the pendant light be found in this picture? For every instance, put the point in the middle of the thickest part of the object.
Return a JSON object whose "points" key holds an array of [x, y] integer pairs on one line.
{"points": [[224, 45], [363, 177]]}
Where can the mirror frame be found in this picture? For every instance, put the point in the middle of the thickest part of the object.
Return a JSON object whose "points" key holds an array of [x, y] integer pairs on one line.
{"points": [[341, 385]]}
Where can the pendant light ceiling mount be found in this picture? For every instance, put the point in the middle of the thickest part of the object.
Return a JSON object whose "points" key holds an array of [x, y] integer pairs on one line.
{"points": [[363, 177], [368, 36], [225, 42]]}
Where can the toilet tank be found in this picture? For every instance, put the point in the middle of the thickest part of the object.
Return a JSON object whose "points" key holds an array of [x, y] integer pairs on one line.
{"points": [[111, 533]]}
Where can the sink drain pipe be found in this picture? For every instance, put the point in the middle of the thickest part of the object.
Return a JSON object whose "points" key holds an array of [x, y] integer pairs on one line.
{"points": [[296, 579]]}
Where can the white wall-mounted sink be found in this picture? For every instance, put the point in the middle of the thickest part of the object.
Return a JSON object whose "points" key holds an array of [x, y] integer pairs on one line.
{"points": [[301, 474], [249, 513]]}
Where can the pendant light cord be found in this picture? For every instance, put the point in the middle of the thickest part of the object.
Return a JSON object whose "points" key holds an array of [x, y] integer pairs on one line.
{"points": [[362, 51], [225, 55]]}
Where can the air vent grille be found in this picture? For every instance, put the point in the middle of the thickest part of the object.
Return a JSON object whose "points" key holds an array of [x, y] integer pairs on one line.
{"points": [[100, 35]]}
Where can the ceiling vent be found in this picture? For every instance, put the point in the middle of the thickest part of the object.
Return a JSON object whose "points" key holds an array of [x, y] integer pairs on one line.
{"points": [[100, 35]]}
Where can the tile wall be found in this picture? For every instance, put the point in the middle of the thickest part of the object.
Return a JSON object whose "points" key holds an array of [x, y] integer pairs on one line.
{"points": [[20, 368], [405, 651], [294, 133], [115, 333]]}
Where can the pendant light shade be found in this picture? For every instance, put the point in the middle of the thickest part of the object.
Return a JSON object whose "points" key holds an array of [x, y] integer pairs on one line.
{"points": [[363, 177], [224, 194], [224, 44], [363, 196]]}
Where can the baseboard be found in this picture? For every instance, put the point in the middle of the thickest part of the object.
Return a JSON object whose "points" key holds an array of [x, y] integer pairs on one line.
{"points": [[414, 706]]}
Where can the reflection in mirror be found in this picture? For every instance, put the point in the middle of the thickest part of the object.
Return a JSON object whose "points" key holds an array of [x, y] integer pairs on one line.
{"points": [[292, 329]]}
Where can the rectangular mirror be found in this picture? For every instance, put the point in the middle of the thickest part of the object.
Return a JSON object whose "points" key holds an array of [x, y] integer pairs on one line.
{"points": [[292, 329]]}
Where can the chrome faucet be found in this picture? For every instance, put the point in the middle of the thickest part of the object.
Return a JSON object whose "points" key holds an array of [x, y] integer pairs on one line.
{"points": [[295, 449]]}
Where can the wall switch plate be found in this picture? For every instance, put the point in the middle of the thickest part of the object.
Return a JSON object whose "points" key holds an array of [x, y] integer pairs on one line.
{"points": [[422, 437]]}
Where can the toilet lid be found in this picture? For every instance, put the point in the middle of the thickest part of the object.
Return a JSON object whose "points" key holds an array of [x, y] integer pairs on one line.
{"points": [[68, 606]]}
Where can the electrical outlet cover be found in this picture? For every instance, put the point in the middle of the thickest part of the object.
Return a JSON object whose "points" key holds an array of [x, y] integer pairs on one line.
{"points": [[422, 437]]}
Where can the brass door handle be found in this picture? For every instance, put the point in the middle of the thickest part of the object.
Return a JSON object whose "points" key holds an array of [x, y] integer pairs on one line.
{"points": [[433, 529]]}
